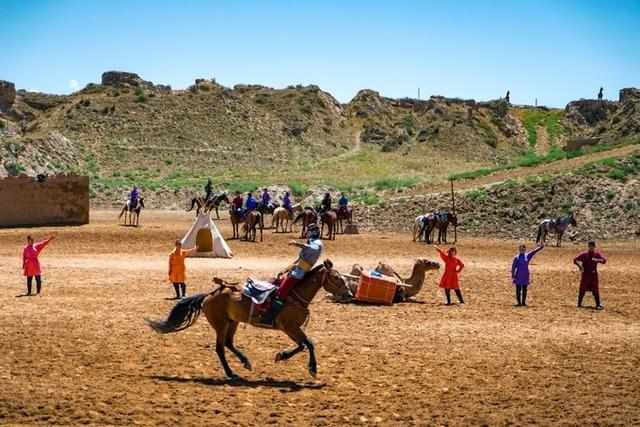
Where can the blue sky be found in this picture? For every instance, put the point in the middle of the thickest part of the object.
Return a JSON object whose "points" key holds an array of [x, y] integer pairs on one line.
{"points": [[555, 51]]}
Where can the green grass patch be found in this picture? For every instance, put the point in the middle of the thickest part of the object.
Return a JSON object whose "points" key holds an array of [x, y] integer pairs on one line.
{"points": [[551, 120], [297, 189], [367, 198], [477, 194], [394, 183]]}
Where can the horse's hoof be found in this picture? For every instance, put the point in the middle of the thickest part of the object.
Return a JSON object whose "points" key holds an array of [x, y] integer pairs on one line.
{"points": [[279, 357], [247, 365], [313, 372], [233, 377]]}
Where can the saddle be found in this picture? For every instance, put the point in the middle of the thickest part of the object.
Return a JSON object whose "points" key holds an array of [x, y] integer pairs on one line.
{"points": [[258, 291]]}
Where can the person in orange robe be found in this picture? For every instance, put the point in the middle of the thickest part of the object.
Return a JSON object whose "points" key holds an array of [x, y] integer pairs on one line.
{"points": [[177, 269], [31, 264], [452, 267]]}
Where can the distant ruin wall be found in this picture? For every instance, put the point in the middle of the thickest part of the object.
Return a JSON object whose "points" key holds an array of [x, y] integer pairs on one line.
{"points": [[57, 200]]}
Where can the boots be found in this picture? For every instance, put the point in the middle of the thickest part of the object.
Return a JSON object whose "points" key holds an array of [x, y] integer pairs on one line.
{"points": [[270, 316], [183, 288]]}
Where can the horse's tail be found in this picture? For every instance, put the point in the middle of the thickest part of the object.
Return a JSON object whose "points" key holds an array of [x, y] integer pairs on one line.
{"points": [[539, 236], [122, 212], [298, 217], [184, 314], [193, 203]]}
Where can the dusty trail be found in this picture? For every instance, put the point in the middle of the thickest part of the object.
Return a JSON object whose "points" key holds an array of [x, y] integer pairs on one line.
{"points": [[81, 354]]}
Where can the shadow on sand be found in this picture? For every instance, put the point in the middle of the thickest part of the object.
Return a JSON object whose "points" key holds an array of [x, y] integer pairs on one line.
{"points": [[283, 385]]}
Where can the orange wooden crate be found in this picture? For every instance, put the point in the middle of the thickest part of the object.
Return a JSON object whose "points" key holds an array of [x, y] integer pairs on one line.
{"points": [[377, 290]]}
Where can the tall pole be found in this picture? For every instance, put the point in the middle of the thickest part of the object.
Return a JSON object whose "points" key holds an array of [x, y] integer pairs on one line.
{"points": [[453, 208], [418, 94]]}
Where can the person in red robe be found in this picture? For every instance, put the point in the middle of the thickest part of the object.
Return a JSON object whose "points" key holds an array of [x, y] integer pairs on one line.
{"points": [[587, 263], [31, 264], [452, 267]]}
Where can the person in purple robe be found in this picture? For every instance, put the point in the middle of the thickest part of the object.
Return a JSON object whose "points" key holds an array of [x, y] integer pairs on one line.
{"points": [[587, 263], [520, 273]]}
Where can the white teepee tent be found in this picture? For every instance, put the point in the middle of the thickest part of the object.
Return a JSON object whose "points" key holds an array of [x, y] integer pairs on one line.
{"points": [[205, 236]]}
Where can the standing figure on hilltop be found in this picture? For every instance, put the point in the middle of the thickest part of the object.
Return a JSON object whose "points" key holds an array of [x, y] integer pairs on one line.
{"points": [[587, 263], [452, 267], [237, 203], [520, 272], [325, 204], [507, 97], [134, 196], [208, 190], [600, 94], [31, 264], [177, 269]]}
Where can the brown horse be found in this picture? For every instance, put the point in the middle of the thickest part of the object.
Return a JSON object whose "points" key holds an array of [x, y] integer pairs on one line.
{"points": [[207, 206], [330, 218], [225, 307], [132, 214], [252, 221], [308, 217], [344, 214]]}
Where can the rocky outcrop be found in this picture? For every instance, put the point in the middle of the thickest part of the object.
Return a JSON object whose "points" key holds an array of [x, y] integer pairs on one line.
{"points": [[41, 101], [123, 79], [589, 112], [7, 95], [629, 94]]}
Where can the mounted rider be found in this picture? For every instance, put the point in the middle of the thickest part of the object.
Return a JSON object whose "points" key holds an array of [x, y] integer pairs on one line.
{"points": [[208, 190], [309, 254], [266, 198], [325, 204], [134, 197], [343, 204], [286, 202], [237, 204], [251, 204]]}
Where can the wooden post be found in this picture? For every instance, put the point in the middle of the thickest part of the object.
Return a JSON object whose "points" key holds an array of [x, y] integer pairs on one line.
{"points": [[453, 207]]}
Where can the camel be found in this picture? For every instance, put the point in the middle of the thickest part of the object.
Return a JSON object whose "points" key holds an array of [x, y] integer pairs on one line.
{"points": [[209, 205], [308, 217], [415, 282], [283, 219], [225, 307], [129, 218], [330, 218]]}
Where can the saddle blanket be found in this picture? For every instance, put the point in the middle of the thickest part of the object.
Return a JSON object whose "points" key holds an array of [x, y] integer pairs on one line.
{"points": [[258, 290]]}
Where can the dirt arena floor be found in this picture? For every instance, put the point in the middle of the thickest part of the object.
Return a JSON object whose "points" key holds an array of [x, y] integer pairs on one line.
{"points": [[80, 353]]}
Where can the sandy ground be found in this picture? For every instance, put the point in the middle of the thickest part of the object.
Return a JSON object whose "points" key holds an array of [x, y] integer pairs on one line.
{"points": [[81, 353]]}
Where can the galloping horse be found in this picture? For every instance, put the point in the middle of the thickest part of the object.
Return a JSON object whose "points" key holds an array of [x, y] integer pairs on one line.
{"points": [[343, 214], [441, 223], [330, 218], [308, 217], [132, 213], [208, 205], [252, 221], [557, 226], [225, 307]]}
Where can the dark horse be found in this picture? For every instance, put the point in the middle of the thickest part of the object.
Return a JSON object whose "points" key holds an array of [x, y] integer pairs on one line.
{"points": [[441, 223], [343, 214], [267, 209], [208, 205], [132, 213], [308, 217], [557, 226]]}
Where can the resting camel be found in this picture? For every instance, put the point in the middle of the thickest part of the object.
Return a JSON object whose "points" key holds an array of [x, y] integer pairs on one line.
{"points": [[283, 219], [330, 218], [225, 307], [132, 216], [308, 217], [403, 293], [209, 205]]}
